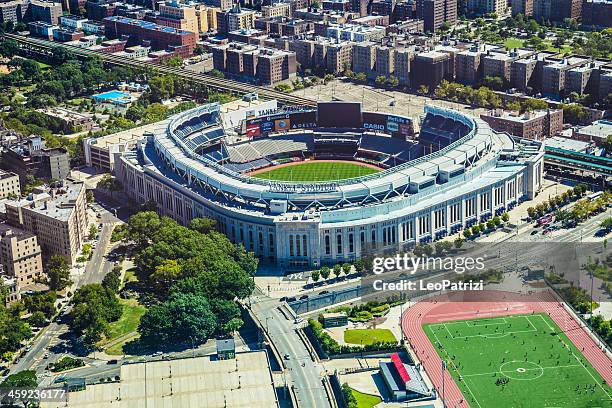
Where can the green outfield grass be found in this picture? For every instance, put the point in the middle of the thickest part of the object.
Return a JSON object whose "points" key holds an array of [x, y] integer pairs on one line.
{"points": [[368, 336], [317, 171], [517, 361]]}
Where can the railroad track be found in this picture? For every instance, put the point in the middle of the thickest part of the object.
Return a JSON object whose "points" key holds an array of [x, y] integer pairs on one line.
{"points": [[221, 84]]}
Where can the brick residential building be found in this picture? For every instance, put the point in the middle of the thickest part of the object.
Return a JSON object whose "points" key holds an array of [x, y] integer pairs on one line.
{"points": [[262, 65], [524, 7], [30, 158], [536, 125], [436, 12], [57, 216], [597, 13], [20, 255], [430, 68], [147, 33]]}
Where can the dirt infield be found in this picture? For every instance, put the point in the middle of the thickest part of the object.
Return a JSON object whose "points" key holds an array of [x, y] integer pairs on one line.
{"points": [[459, 306], [266, 169]]}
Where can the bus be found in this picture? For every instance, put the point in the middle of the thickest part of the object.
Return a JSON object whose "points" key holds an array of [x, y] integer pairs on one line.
{"points": [[594, 196]]}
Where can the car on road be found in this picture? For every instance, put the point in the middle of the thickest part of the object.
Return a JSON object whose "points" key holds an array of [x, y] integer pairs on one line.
{"points": [[298, 320], [287, 357], [534, 232], [46, 356], [303, 297], [157, 353], [324, 292], [113, 361], [290, 299]]}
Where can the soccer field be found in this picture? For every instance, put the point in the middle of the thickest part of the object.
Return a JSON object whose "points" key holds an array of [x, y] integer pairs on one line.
{"points": [[517, 361], [317, 171]]}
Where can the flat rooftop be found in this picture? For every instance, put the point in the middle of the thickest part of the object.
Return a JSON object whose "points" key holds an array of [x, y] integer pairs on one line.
{"points": [[245, 381], [567, 144], [129, 135], [600, 128], [58, 205]]}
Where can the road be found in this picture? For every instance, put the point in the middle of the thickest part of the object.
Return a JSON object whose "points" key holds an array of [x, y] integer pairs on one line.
{"points": [[48, 341], [305, 379]]}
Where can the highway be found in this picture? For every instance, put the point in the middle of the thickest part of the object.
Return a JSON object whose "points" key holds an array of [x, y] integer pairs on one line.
{"points": [[220, 84], [305, 379]]}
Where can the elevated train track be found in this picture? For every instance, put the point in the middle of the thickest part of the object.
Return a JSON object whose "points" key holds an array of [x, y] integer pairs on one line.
{"points": [[218, 84]]}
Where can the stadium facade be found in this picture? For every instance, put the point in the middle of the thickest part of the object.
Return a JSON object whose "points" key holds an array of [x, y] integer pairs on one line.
{"points": [[457, 172]]}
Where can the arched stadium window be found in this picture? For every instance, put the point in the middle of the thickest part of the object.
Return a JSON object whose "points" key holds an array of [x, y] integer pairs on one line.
{"points": [[327, 245], [351, 244], [304, 245], [362, 238], [290, 245], [339, 243], [373, 236], [298, 250]]}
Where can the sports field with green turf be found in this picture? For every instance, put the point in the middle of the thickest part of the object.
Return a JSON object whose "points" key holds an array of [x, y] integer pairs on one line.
{"points": [[517, 361], [317, 171]]}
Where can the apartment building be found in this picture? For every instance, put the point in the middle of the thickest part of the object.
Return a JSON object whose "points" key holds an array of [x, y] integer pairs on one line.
{"points": [[57, 216], [526, 73], [402, 61], [150, 34], [597, 13], [536, 125], [235, 19], [323, 53], [498, 62], [178, 15], [524, 7], [9, 185], [31, 158], [557, 10], [13, 11], [337, 5], [355, 33], [385, 61], [364, 58], [20, 255], [555, 75], [430, 68], [46, 11], [436, 12], [276, 10], [284, 26], [224, 5], [259, 64], [498, 7]]}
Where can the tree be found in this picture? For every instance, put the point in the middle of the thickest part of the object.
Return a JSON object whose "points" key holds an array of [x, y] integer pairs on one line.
{"points": [[359, 266], [94, 307], [217, 74], [423, 90], [22, 379], [531, 212], [607, 224], [325, 272], [380, 80], [233, 325], [337, 270], [476, 229], [494, 82], [175, 61], [459, 242], [161, 87], [360, 77], [93, 231], [43, 302], [183, 317], [346, 268], [203, 225], [58, 273], [574, 113], [505, 216], [315, 275], [393, 81], [37, 319], [112, 280], [165, 275]]}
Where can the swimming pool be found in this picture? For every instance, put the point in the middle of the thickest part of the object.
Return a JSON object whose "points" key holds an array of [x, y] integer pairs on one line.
{"points": [[113, 97]]}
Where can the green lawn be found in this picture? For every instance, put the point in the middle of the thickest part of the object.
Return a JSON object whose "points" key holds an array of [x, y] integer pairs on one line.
{"points": [[368, 336], [518, 43], [365, 400], [317, 171], [128, 322], [518, 361], [513, 43]]}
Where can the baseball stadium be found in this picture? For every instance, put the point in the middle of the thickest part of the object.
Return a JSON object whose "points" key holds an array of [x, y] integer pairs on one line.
{"points": [[303, 187]]}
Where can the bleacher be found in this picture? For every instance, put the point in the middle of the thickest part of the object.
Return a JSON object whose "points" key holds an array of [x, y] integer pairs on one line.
{"points": [[438, 132], [196, 124], [217, 153], [250, 166], [275, 146], [206, 136]]}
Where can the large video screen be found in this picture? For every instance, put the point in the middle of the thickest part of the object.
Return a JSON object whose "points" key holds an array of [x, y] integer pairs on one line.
{"points": [[303, 119], [339, 114]]}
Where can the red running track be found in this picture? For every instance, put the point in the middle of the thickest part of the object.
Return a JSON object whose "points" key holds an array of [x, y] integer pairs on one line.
{"points": [[472, 305]]}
